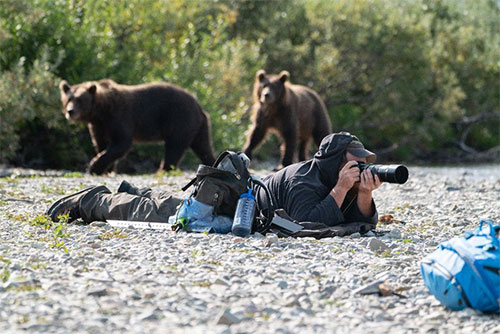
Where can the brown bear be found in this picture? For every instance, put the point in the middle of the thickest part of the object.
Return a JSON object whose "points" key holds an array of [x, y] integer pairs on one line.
{"points": [[118, 115], [295, 112]]}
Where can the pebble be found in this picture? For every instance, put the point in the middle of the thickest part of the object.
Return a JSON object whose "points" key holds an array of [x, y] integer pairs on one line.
{"points": [[150, 281], [376, 245], [227, 318]]}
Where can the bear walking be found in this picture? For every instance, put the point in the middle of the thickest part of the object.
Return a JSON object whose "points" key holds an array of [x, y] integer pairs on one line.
{"points": [[295, 112], [117, 115]]}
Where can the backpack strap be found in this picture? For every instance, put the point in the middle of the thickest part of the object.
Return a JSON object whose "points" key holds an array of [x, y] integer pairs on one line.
{"points": [[492, 234], [204, 171]]}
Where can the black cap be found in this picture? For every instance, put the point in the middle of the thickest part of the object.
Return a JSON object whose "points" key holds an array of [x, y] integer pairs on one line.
{"points": [[357, 148]]}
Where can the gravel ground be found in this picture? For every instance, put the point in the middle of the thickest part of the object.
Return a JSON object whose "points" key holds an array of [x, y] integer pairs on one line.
{"points": [[59, 278]]}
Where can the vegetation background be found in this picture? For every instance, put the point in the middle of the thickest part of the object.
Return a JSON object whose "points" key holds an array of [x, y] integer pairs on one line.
{"points": [[417, 80]]}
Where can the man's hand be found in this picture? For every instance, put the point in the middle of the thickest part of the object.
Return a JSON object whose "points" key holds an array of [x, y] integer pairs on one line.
{"points": [[348, 175], [369, 182]]}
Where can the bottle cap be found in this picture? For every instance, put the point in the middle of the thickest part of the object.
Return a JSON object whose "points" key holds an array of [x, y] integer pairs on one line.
{"points": [[248, 194]]}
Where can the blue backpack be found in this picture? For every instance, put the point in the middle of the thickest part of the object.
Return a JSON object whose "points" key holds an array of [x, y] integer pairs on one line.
{"points": [[465, 271]]}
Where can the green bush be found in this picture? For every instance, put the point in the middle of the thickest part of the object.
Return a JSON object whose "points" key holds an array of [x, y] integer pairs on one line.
{"points": [[414, 79]]}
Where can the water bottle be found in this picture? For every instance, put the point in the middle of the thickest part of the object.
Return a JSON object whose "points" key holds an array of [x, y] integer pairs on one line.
{"points": [[243, 217]]}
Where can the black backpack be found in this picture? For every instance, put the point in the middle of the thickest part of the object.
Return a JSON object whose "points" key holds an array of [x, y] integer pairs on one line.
{"points": [[222, 184]]}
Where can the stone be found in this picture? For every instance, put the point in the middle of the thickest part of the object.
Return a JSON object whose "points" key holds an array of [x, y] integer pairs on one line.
{"points": [[225, 317], [98, 292], [378, 246], [369, 234], [271, 240], [394, 234], [282, 284]]}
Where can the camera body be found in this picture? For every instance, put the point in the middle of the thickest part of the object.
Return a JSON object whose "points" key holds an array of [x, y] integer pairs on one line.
{"points": [[386, 173]]}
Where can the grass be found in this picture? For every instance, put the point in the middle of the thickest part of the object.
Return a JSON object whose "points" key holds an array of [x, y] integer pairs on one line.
{"points": [[386, 254], [56, 230], [203, 284], [113, 234], [171, 173], [403, 207], [52, 190], [9, 179], [4, 275], [73, 175]]}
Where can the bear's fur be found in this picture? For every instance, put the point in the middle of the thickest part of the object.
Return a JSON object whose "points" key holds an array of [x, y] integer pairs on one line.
{"points": [[295, 112], [118, 115]]}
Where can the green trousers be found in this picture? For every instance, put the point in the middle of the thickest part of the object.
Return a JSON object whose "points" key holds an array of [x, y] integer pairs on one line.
{"points": [[137, 205]]}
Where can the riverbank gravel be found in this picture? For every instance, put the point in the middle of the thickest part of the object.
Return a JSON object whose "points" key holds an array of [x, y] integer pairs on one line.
{"points": [[75, 278]]}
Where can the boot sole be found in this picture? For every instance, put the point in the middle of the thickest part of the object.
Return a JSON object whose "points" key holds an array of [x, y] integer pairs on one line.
{"points": [[54, 208]]}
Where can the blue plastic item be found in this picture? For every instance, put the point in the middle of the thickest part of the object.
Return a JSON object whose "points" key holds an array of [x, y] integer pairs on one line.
{"points": [[216, 224], [198, 217], [244, 215], [465, 271]]}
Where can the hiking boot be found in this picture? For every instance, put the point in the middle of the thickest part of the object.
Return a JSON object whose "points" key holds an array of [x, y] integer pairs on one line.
{"points": [[71, 204], [126, 187]]}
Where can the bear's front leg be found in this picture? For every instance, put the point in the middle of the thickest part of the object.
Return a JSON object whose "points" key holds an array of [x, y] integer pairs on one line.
{"points": [[255, 137], [290, 145], [103, 160]]}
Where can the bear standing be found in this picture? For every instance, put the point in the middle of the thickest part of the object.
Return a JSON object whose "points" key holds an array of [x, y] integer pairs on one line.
{"points": [[295, 112], [118, 115]]}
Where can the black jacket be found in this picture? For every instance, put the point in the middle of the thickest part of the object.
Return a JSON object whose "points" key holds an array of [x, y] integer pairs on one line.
{"points": [[303, 189]]}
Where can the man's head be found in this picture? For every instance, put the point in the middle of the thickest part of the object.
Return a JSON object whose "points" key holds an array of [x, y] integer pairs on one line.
{"points": [[355, 150]]}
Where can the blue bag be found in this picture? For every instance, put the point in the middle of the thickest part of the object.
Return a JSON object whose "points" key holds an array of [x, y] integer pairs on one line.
{"points": [[465, 271]]}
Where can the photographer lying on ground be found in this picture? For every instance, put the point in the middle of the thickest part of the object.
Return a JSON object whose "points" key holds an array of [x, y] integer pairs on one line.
{"points": [[327, 189]]}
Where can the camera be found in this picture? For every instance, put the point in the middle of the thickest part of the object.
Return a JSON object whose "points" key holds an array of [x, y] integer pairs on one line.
{"points": [[386, 173]]}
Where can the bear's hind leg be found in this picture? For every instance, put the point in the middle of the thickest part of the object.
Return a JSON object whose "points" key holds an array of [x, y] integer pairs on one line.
{"points": [[202, 145], [175, 147]]}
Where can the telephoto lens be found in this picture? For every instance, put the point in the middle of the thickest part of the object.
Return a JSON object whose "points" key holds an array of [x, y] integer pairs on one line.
{"points": [[387, 173]]}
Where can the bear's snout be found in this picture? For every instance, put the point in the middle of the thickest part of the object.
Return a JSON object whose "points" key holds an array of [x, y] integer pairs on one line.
{"points": [[266, 96], [71, 113]]}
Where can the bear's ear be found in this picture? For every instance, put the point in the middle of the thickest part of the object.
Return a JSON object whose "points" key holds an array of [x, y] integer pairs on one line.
{"points": [[64, 87], [92, 89], [284, 76], [261, 74]]}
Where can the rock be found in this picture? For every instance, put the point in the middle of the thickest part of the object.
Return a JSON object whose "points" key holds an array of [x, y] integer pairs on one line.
{"points": [[378, 246], [149, 316], [355, 235], [225, 317], [271, 240], [394, 234], [283, 284], [369, 234], [98, 224], [258, 236], [221, 281], [98, 292]]}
